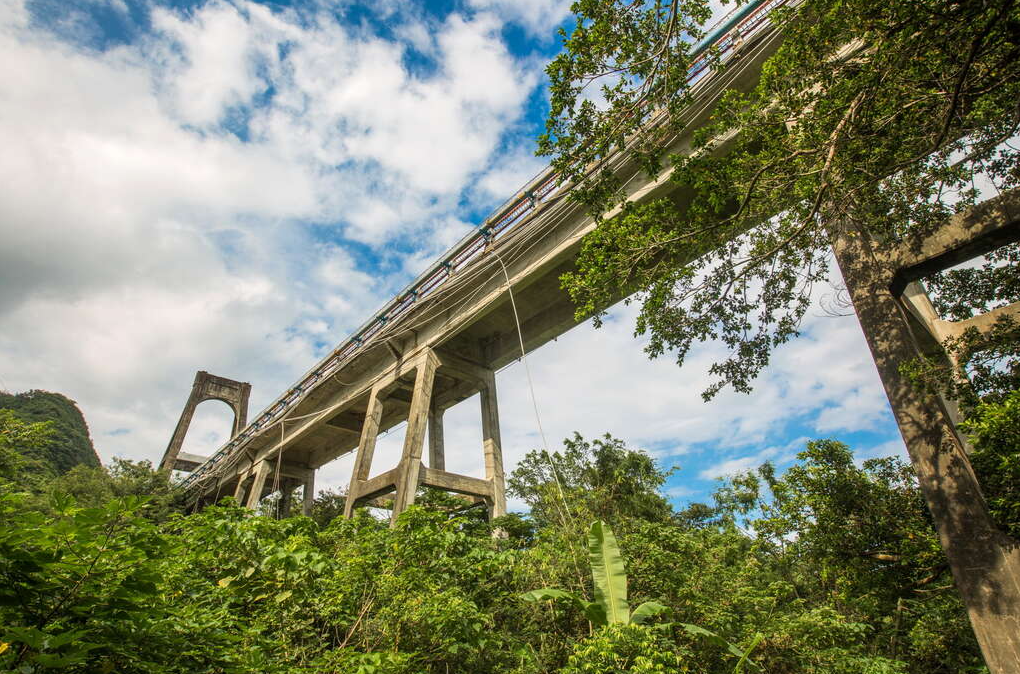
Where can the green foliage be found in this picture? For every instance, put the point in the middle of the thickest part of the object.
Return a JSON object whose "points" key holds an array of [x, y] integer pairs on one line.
{"points": [[959, 294], [874, 116], [18, 441], [68, 445], [608, 573], [601, 480], [609, 578], [994, 429], [622, 647], [79, 591], [987, 365], [327, 506], [94, 486], [842, 575]]}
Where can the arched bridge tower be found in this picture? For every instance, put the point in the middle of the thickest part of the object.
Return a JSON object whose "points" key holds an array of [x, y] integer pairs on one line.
{"points": [[206, 387]]}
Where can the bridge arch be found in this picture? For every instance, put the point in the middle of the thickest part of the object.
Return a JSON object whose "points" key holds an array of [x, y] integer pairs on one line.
{"points": [[206, 387]]}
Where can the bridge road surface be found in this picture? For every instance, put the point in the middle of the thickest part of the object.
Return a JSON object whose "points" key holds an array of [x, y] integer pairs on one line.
{"points": [[468, 322]]}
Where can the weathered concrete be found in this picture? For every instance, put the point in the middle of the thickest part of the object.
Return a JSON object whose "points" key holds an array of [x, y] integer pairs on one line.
{"points": [[308, 494], [425, 407], [206, 387], [985, 562], [470, 317]]}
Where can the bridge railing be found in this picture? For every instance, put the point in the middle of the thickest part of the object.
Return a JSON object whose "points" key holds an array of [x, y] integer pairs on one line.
{"points": [[720, 42]]}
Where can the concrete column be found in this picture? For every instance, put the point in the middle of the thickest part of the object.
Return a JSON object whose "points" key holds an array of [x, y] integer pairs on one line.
{"points": [[414, 439], [181, 430], [366, 448], [239, 491], [258, 484], [492, 447], [437, 449], [918, 305], [286, 497], [308, 494], [984, 562]]}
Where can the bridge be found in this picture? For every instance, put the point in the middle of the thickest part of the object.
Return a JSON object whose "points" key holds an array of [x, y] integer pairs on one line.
{"points": [[496, 296], [492, 298]]}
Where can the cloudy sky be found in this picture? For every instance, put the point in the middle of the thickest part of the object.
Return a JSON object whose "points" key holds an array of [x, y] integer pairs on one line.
{"points": [[234, 186]]}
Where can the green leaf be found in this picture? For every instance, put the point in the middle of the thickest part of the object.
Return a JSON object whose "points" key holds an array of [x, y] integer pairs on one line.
{"points": [[283, 596], [647, 610], [719, 641], [549, 593], [592, 611], [595, 612], [745, 658], [608, 572]]}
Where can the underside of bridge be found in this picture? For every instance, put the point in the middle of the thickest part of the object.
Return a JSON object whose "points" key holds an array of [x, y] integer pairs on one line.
{"points": [[505, 303]]}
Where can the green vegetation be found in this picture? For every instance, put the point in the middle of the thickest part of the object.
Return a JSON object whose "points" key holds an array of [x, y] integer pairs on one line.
{"points": [[995, 432], [873, 118], [609, 579], [832, 567], [68, 444]]}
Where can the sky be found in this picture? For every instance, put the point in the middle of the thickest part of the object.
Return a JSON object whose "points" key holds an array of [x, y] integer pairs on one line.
{"points": [[235, 186]]}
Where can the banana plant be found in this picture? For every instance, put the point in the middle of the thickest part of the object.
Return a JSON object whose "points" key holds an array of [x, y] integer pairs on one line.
{"points": [[610, 605], [610, 579]]}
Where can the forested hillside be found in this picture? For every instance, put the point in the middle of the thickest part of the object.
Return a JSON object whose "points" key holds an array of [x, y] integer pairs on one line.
{"points": [[68, 444]]}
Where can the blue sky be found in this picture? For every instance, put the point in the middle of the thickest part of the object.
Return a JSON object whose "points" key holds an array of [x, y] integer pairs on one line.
{"points": [[236, 186]]}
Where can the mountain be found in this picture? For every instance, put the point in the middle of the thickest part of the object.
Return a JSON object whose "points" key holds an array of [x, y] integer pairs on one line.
{"points": [[70, 444]]}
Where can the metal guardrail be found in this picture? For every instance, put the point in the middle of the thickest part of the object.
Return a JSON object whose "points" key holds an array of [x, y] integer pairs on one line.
{"points": [[731, 30]]}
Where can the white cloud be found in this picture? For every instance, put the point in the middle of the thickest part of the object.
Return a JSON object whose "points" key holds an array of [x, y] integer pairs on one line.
{"points": [[143, 240], [538, 17]]}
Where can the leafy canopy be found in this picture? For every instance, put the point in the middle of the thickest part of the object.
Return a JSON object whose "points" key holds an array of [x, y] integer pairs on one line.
{"points": [[882, 116]]}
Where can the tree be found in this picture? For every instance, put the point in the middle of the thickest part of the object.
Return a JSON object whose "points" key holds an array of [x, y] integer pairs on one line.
{"points": [[601, 479], [69, 443], [95, 486], [327, 506], [995, 432], [19, 440], [869, 126], [873, 116]]}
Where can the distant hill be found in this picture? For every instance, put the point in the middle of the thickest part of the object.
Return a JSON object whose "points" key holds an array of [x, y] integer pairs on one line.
{"points": [[71, 444]]}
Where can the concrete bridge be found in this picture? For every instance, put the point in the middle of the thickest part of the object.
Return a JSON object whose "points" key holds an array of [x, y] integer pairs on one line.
{"points": [[496, 296], [491, 298]]}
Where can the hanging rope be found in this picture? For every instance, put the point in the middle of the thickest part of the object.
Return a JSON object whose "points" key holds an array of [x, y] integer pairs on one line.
{"points": [[566, 519], [531, 387], [276, 479]]}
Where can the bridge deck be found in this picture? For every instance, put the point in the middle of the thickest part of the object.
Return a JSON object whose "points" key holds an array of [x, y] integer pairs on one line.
{"points": [[469, 316]]}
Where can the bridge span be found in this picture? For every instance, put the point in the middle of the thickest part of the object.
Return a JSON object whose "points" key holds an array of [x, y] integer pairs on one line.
{"points": [[492, 297], [496, 296]]}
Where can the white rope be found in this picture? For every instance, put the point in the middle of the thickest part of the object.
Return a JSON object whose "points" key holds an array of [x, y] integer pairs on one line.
{"points": [[565, 515], [524, 356]]}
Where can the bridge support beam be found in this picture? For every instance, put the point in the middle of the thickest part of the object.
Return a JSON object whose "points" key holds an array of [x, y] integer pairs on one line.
{"points": [[286, 498], [437, 446], [308, 494], [426, 411], [492, 446], [262, 470], [410, 461], [985, 563]]}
